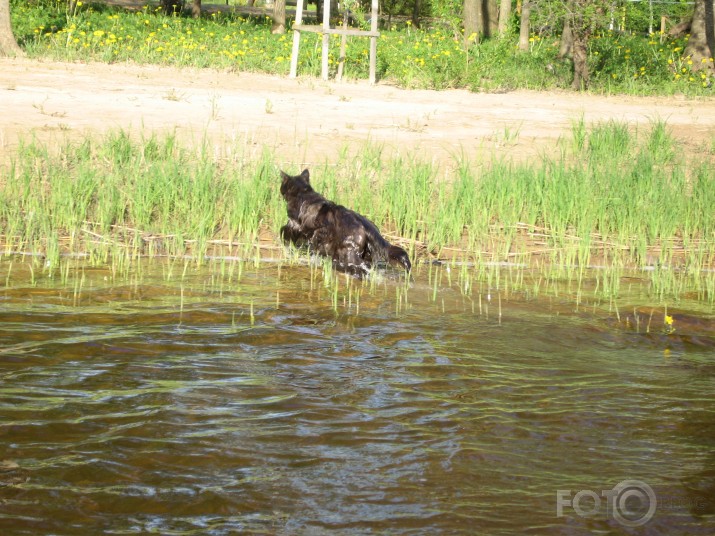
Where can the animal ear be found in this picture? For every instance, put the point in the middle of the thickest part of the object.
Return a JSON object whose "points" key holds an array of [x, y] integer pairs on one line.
{"points": [[284, 176], [305, 175]]}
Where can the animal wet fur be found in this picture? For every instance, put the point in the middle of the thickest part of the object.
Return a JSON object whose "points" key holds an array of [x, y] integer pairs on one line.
{"points": [[350, 239]]}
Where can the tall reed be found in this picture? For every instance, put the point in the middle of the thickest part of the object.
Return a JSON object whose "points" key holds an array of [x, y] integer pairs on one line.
{"points": [[609, 196]]}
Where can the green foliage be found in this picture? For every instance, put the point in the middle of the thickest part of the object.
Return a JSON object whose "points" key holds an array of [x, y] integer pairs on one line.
{"points": [[432, 58], [497, 64], [632, 64], [610, 188]]}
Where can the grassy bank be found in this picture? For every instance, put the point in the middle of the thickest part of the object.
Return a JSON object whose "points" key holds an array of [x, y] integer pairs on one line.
{"points": [[433, 57], [612, 198]]}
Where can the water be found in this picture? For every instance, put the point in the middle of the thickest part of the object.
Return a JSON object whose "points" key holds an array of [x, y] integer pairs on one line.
{"points": [[201, 402]]}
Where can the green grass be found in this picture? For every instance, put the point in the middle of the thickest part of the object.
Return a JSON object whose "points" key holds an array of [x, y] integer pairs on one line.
{"points": [[414, 58], [612, 197]]}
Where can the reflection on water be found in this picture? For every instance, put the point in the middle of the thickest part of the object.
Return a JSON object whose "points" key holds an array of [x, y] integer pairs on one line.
{"points": [[258, 406]]}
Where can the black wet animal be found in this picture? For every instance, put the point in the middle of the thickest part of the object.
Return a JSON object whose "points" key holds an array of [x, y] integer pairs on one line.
{"points": [[350, 239]]}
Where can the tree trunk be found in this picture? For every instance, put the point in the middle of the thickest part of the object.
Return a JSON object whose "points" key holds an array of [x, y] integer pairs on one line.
{"points": [[481, 17], [566, 45], [319, 9], [8, 45], [504, 16], [172, 7], [524, 26], [489, 17], [701, 45], [580, 25], [416, 7], [279, 17], [471, 20], [580, 62], [196, 9]]}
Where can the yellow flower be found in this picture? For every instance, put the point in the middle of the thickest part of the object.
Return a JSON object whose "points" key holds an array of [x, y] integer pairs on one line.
{"points": [[668, 321]]}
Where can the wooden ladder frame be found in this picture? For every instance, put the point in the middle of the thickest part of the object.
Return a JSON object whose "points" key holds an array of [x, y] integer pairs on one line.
{"points": [[327, 31]]}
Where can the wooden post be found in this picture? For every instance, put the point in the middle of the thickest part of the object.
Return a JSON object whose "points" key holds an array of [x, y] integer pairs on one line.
{"points": [[327, 31], [326, 38], [373, 43], [296, 40], [343, 46]]}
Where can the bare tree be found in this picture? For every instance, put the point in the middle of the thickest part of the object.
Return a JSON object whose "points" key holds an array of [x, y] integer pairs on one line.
{"points": [[579, 18], [8, 45], [196, 9], [279, 17], [701, 45], [481, 17], [416, 7], [172, 7], [471, 19], [504, 16], [525, 25]]}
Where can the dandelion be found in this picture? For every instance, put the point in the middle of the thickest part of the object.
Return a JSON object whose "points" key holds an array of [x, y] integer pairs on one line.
{"points": [[668, 321]]}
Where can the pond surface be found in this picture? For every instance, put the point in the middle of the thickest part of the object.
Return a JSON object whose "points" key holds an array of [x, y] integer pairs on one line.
{"points": [[205, 403]]}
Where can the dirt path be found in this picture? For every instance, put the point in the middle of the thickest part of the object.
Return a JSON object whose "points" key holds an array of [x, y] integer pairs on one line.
{"points": [[307, 121]]}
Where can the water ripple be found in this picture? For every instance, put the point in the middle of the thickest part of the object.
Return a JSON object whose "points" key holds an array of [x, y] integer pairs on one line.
{"points": [[225, 415]]}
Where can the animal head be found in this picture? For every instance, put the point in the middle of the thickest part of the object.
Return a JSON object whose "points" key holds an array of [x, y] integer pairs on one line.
{"points": [[295, 185], [397, 255]]}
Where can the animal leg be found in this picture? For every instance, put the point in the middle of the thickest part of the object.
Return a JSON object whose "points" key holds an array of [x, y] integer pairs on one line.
{"points": [[349, 259], [291, 233]]}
